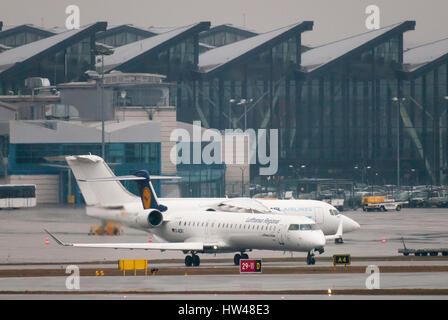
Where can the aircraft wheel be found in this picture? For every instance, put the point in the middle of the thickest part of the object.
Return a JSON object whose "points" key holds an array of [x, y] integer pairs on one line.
{"points": [[196, 260], [310, 259], [244, 256], [338, 241], [236, 259], [188, 261]]}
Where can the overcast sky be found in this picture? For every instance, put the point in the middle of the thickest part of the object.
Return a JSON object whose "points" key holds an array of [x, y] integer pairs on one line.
{"points": [[333, 19]]}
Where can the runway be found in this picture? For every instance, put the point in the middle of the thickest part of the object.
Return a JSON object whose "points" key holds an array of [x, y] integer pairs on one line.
{"points": [[28, 265]]}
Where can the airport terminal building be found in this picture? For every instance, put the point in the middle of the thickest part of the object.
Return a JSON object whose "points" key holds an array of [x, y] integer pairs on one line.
{"points": [[343, 109]]}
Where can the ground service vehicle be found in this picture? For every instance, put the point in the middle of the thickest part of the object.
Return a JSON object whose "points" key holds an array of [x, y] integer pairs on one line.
{"points": [[381, 203]]}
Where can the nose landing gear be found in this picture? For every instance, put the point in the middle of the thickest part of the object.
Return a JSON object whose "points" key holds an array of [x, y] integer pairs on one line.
{"points": [[310, 258]]}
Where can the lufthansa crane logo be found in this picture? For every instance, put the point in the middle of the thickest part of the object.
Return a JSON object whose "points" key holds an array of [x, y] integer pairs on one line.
{"points": [[146, 198]]}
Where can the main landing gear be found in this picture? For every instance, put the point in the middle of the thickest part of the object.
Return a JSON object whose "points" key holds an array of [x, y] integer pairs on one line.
{"points": [[310, 258], [192, 260], [338, 241], [238, 257]]}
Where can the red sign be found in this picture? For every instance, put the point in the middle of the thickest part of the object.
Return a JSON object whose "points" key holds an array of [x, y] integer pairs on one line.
{"points": [[250, 266]]}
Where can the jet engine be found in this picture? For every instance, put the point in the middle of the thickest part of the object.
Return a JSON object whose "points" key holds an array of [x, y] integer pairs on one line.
{"points": [[153, 219]]}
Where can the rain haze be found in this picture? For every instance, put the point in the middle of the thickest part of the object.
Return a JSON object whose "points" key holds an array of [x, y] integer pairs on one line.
{"points": [[332, 19]]}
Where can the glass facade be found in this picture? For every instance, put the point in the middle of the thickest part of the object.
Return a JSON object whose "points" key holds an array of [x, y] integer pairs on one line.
{"points": [[426, 110], [124, 158], [179, 63], [342, 119], [222, 38], [120, 38], [200, 180], [21, 38], [69, 64]]}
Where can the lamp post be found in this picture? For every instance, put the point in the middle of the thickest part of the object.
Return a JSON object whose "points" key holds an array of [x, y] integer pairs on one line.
{"points": [[242, 180], [365, 173], [398, 100], [231, 101], [102, 50], [245, 102], [123, 95]]}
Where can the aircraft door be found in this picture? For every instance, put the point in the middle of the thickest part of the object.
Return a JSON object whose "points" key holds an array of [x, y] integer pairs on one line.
{"points": [[281, 234], [319, 215]]}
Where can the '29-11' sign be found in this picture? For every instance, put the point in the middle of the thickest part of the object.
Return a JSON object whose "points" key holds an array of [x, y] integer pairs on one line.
{"points": [[250, 266]]}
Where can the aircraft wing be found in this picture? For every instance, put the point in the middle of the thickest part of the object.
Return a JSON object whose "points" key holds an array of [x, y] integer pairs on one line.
{"points": [[187, 246], [131, 177], [338, 234]]}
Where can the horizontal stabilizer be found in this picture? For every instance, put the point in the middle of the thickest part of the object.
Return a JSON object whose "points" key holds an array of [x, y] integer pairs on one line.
{"points": [[119, 178], [127, 178]]}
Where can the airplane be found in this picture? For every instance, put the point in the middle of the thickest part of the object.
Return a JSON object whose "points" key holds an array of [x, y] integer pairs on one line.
{"points": [[327, 217], [188, 230]]}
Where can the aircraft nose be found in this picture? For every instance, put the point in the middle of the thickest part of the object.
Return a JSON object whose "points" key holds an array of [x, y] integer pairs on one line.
{"points": [[349, 225], [315, 239]]}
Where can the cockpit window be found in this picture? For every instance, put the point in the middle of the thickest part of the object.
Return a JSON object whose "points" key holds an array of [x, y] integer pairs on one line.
{"points": [[302, 227], [305, 227], [334, 212]]}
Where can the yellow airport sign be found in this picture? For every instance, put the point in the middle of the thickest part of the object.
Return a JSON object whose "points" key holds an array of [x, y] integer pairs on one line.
{"points": [[341, 259], [136, 264]]}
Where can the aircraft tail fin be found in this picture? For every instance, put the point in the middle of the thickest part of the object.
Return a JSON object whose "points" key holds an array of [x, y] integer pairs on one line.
{"points": [[106, 193], [147, 193], [100, 186], [146, 190]]}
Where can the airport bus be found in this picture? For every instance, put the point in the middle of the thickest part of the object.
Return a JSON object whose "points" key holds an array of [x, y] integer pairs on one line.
{"points": [[17, 196]]}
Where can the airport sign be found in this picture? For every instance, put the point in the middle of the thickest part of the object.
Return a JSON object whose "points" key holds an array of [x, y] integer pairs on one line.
{"points": [[341, 259], [250, 266]]}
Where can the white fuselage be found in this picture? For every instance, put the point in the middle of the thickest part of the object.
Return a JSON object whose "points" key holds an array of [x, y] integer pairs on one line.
{"points": [[325, 215], [223, 231]]}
